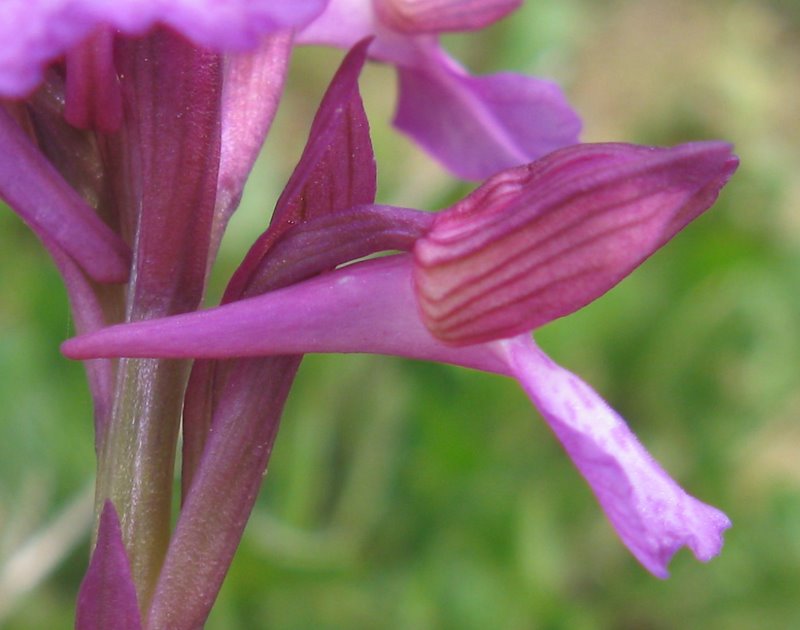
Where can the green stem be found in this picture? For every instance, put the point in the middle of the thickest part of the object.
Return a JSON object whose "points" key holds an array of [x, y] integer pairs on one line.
{"points": [[136, 462]]}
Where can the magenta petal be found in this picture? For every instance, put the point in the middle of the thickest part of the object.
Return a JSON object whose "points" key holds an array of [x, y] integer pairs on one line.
{"points": [[53, 210], [477, 126], [653, 516], [366, 307], [35, 32], [107, 598]]}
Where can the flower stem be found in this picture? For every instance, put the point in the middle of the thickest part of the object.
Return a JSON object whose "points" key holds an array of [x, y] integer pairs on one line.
{"points": [[136, 462]]}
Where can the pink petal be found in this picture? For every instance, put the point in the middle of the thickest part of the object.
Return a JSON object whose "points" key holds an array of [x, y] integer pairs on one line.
{"points": [[36, 32], [541, 241], [477, 126], [252, 88], [438, 16], [107, 598], [653, 516], [341, 24]]}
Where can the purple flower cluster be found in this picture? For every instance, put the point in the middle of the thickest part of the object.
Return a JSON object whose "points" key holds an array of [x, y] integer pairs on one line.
{"points": [[127, 131]]}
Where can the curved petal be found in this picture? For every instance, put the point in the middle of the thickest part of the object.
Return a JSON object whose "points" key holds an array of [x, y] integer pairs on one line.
{"points": [[477, 126], [652, 514], [35, 32]]}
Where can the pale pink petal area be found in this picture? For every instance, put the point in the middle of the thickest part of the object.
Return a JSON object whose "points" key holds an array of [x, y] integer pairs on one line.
{"points": [[479, 125], [342, 24], [541, 241], [652, 514], [438, 16], [107, 597], [53, 210], [36, 32], [251, 90]]}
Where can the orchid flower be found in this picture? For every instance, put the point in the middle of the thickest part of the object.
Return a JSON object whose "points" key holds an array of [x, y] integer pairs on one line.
{"points": [[531, 244], [475, 126], [128, 130]]}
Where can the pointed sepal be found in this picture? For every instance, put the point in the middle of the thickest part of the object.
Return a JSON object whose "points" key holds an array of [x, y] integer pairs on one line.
{"points": [[107, 597]]}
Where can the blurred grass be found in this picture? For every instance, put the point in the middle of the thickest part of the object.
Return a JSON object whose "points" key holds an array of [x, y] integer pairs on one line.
{"points": [[406, 495]]}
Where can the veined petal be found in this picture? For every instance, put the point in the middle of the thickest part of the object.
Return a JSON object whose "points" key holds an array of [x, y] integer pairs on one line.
{"points": [[653, 516], [438, 16], [370, 307], [538, 242], [53, 210], [36, 32], [477, 126], [107, 598]]}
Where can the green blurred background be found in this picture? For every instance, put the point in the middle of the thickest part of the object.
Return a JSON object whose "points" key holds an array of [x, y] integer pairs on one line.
{"points": [[407, 495]]}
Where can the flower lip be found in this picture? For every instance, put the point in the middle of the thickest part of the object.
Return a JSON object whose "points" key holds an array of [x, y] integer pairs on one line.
{"points": [[541, 241]]}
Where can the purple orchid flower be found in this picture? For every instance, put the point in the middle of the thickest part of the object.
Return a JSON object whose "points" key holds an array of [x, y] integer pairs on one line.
{"points": [[532, 244], [127, 132], [475, 126]]}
